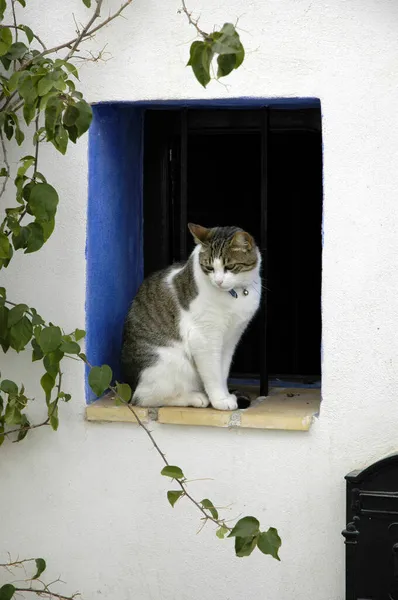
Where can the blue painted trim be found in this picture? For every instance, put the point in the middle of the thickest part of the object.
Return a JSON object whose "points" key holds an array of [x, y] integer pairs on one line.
{"points": [[242, 102], [114, 249]]}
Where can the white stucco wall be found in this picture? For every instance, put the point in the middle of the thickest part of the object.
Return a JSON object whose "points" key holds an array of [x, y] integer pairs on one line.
{"points": [[89, 498]]}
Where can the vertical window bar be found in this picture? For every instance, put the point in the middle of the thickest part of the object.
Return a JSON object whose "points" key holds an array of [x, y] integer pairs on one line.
{"points": [[184, 184], [263, 244]]}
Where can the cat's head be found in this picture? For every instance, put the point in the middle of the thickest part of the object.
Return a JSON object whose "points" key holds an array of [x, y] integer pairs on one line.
{"points": [[228, 255]]}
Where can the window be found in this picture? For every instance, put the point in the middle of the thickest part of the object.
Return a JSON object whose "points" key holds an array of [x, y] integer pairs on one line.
{"points": [[259, 169]]}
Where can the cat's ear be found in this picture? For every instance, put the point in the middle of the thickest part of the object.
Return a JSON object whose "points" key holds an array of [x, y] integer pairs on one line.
{"points": [[200, 234], [242, 241]]}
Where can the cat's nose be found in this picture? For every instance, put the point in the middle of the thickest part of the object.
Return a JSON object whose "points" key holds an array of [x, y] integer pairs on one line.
{"points": [[219, 279]]}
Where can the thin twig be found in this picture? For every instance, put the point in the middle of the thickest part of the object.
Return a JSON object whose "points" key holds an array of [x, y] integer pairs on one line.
{"points": [[46, 593], [37, 143], [193, 21], [7, 164], [208, 517], [72, 44], [21, 28], [47, 421], [15, 19], [16, 563], [85, 29]]}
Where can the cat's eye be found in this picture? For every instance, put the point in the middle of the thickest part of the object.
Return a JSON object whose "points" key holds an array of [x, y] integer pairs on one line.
{"points": [[208, 268], [228, 267]]}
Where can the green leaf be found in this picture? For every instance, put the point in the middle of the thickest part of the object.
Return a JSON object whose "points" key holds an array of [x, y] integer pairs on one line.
{"points": [[84, 119], [206, 503], [173, 496], [99, 379], [70, 116], [9, 387], [27, 89], [27, 162], [13, 81], [37, 353], [50, 339], [16, 314], [40, 566], [221, 532], [28, 32], [12, 415], [87, 3], [29, 112], [53, 113], [3, 295], [53, 415], [173, 472], [20, 334], [4, 331], [43, 201], [61, 139], [36, 237], [201, 55], [7, 591], [23, 432], [4, 246], [45, 85], [244, 546], [70, 347], [5, 40], [3, 6], [2, 436], [248, 526], [47, 382], [226, 64], [22, 3], [79, 334], [269, 542], [17, 51], [124, 391], [227, 40], [51, 362]]}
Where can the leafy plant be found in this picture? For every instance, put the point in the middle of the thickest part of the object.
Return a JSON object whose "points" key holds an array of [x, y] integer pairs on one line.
{"points": [[225, 44], [40, 89]]}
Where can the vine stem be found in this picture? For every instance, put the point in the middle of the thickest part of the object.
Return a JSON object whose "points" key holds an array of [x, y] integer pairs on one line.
{"points": [[86, 32], [47, 593], [21, 28], [193, 21], [15, 19], [43, 424], [182, 485], [7, 164]]}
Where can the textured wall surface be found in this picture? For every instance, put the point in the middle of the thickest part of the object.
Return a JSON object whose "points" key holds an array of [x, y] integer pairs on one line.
{"points": [[89, 498]]}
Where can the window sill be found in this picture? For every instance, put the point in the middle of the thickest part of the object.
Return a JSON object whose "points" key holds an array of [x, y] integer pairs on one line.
{"points": [[291, 409]]}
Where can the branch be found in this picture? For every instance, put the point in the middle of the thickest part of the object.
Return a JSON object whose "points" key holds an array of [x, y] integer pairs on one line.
{"points": [[193, 21], [47, 593], [7, 164], [182, 485], [85, 33], [20, 28], [85, 29], [15, 19]]}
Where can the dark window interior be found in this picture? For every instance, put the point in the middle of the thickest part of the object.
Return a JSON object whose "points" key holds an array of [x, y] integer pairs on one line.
{"points": [[261, 170]]}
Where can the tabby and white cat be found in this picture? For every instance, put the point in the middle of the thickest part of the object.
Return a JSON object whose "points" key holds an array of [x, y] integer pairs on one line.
{"points": [[185, 322]]}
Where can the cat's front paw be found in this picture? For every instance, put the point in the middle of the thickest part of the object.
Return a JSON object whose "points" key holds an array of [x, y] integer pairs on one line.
{"points": [[228, 403], [198, 400]]}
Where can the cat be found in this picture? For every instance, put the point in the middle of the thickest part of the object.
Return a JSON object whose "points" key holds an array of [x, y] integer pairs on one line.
{"points": [[185, 322]]}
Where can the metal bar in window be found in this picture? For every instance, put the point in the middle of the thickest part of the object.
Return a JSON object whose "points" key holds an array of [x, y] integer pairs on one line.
{"points": [[184, 184], [263, 244]]}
